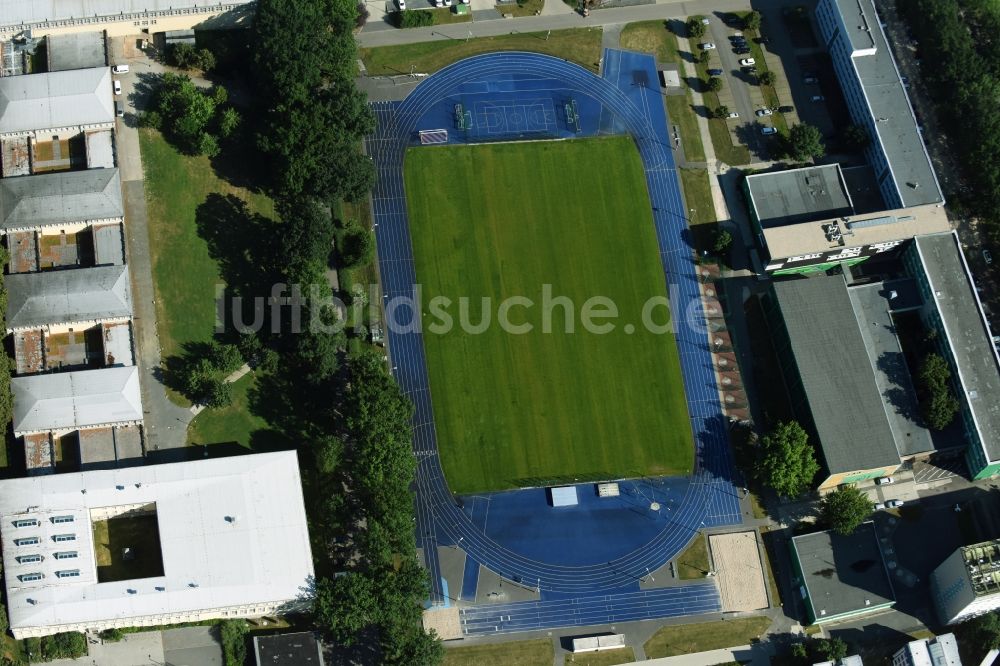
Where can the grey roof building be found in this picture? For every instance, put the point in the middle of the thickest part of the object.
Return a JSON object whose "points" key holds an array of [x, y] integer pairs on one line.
{"points": [[842, 576], [75, 50], [33, 202], [798, 195], [827, 371], [75, 296], [877, 100], [74, 400], [83, 14], [56, 101], [939, 267], [298, 649]]}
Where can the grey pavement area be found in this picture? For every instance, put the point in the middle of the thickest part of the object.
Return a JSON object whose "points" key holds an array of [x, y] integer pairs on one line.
{"points": [[192, 646], [165, 422], [143, 648]]}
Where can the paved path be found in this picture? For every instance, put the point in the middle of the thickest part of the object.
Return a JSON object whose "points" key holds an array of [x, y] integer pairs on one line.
{"points": [[555, 21], [165, 422], [556, 8]]}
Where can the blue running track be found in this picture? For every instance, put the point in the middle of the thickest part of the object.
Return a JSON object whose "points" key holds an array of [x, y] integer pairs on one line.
{"points": [[515, 96]]}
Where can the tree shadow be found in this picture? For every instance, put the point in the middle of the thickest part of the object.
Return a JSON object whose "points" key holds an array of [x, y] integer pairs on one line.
{"points": [[901, 394]]}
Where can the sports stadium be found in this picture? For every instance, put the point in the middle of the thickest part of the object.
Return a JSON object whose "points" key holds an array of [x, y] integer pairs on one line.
{"points": [[571, 465]]}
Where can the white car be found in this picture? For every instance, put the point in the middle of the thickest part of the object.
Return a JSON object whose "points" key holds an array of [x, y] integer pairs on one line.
{"points": [[707, 46], [120, 69], [402, 5], [733, 114], [764, 112], [705, 21], [885, 480], [894, 504], [878, 506], [747, 62], [118, 87], [768, 131]]}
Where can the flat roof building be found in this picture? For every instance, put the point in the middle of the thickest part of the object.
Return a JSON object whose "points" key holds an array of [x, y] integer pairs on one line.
{"points": [[78, 50], [953, 310], [298, 649], [967, 583], [822, 356], [877, 101], [937, 651], [65, 401], [811, 193], [56, 102], [841, 576], [212, 538], [29, 203], [60, 299]]}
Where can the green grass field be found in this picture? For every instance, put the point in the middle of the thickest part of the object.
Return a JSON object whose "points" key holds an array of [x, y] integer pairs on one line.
{"points": [[528, 409]]}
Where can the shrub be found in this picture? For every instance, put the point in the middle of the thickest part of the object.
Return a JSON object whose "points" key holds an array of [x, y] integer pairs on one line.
{"points": [[112, 635], [234, 642], [65, 645], [410, 18]]}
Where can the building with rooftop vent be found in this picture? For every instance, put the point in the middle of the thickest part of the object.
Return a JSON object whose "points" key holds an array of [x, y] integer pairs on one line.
{"points": [[56, 102], [877, 101], [967, 584], [154, 545], [937, 651]]}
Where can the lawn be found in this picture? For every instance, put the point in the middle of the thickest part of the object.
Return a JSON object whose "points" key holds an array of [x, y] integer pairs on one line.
{"points": [[691, 638], [140, 535], [520, 653], [654, 37], [701, 207], [523, 8], [184, 275], [530, 408], [579, 45], [235, 423], [609, 658], [693, 562]]}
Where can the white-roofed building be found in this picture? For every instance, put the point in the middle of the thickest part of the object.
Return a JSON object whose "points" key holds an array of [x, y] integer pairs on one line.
{"points": [[231, 533], [57, 102], [937, 651], [65, 401]]}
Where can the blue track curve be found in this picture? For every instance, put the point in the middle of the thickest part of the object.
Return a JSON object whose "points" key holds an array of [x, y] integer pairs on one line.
{"points": [[619, 103]]}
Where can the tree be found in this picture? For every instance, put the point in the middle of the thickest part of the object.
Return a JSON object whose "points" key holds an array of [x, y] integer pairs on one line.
{"points": [[828, 649], [229, 120], [695, 28], [767, 78], [752, 20], [182, 55], [982, 631], [328, 450], [345, 605], [225, 358], [218, 393], [856, 137], [409, 18], [356, 246], [721, 111], [704, 57], [714, 84], [234, 641], [723, 241], [65, 645], [204, 60], [938, 404], [185, 113], [844, 509], [805, 142], [786, 461]]}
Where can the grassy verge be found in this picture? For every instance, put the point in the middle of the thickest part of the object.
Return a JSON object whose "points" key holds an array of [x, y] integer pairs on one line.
{"points": [[518, 653], [580, 45], [701, 207], [447, 16], [693, 562], [691, 638], [184, 274], [235, 423], [525, 8], [654, 37], [492, 435], [609, 658]]}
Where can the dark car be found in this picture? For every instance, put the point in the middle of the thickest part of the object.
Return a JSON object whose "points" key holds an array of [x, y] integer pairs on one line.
{"points": [[785, 109], [715, 72], [750, 69], [741, 51]]}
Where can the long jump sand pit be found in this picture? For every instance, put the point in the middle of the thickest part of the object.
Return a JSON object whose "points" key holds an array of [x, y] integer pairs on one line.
{"points": [[740, 573]]}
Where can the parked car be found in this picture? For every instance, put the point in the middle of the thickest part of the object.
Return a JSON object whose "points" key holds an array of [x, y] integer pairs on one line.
{"points": [[885, 480], [818, 98], [878, 506], [707, 46], [810, 79], [118, 87], [402, 5], [763, 40], [120, 69], [746, 62], [715, 72], [895, 504], [749, 70], [741, 51], [763, 112], [119, 109], [786, 109], [767, 131], [987, 257], [736, 35], [705, 21]]}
